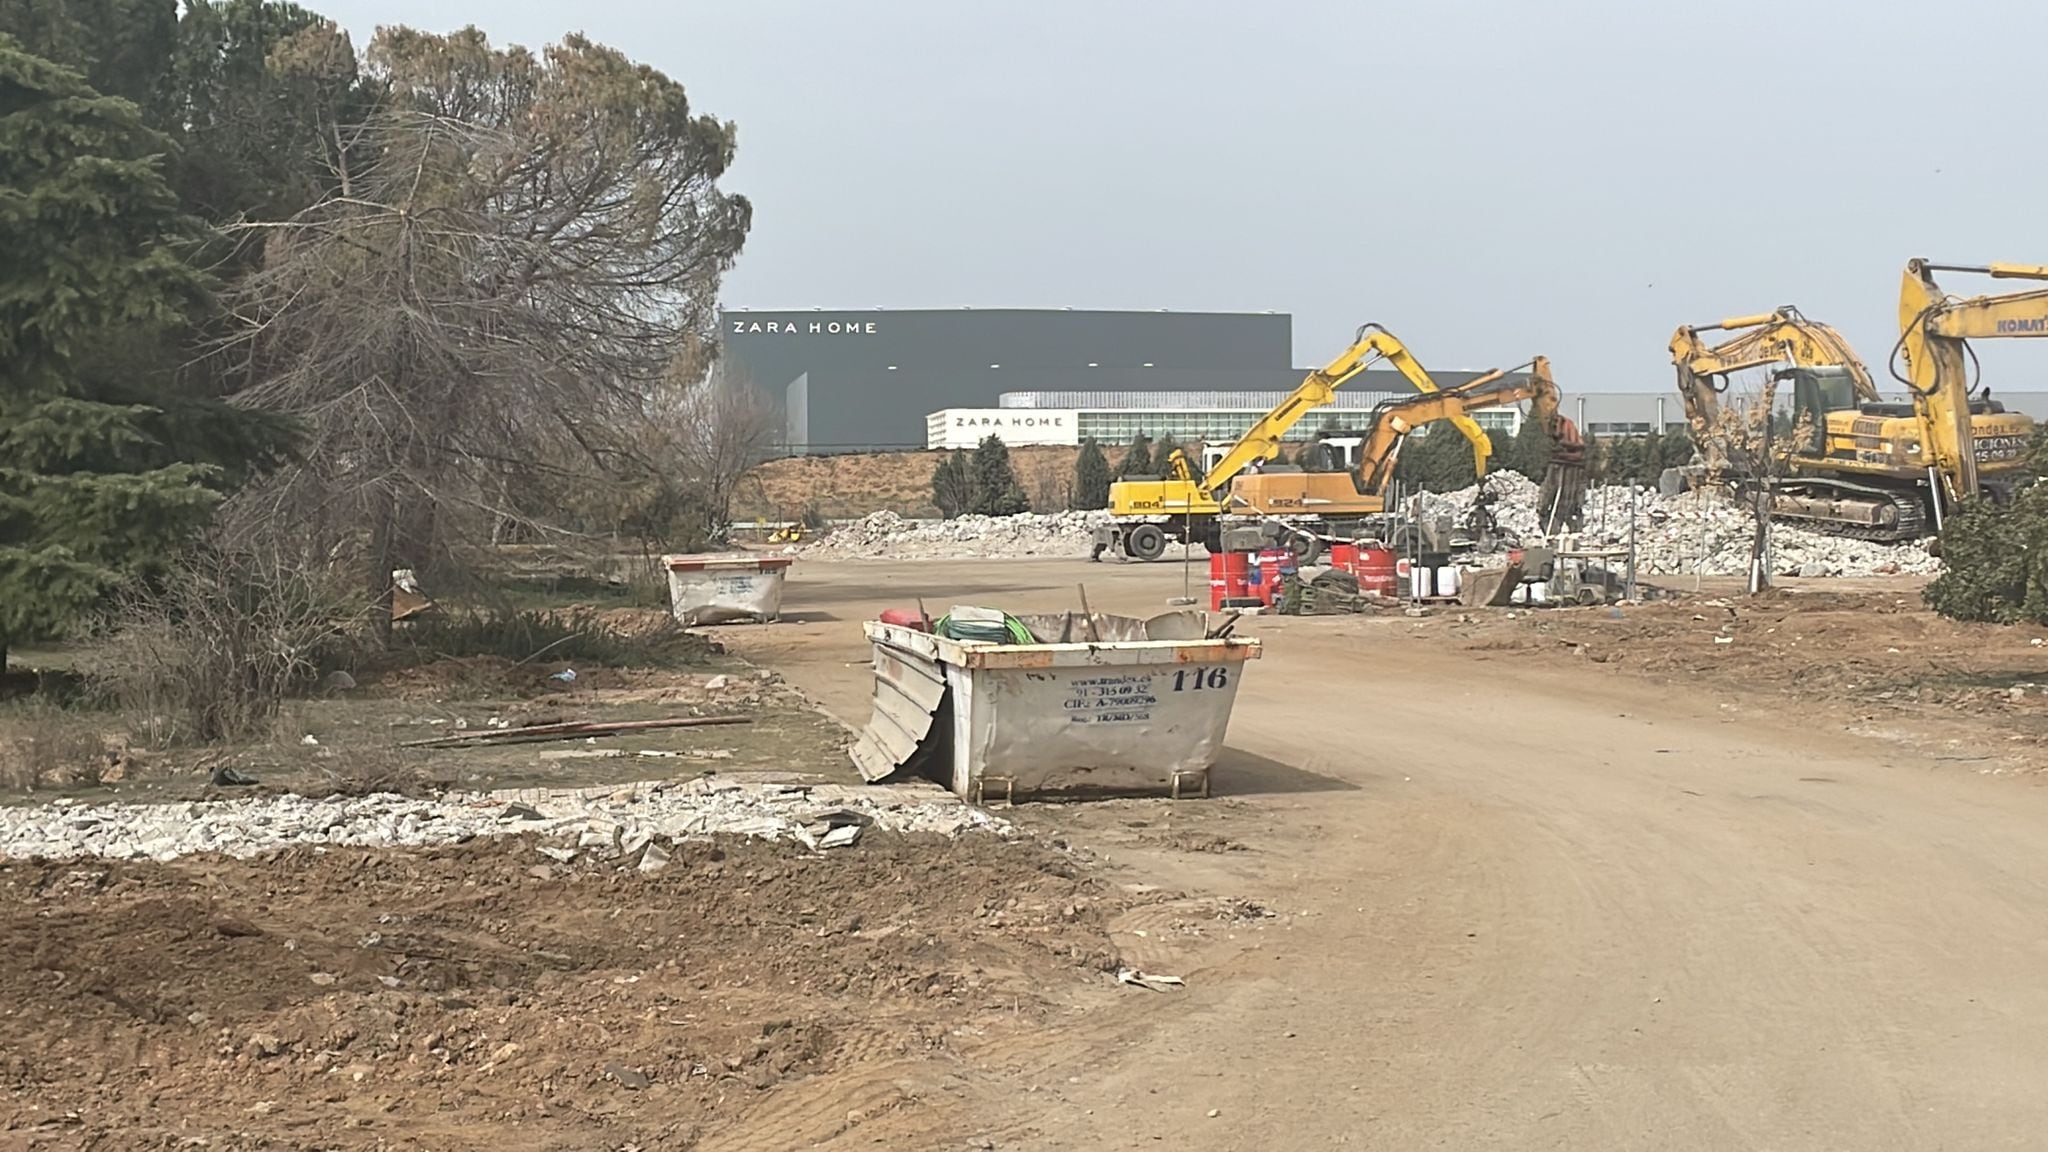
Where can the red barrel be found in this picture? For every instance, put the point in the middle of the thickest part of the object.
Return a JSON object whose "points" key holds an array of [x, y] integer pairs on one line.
{"points": [[1227, 577], [1376, 572], [1344, 557]]}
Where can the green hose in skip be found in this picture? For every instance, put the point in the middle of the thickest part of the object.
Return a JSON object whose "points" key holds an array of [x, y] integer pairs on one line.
{"points": [[1010, 631]]}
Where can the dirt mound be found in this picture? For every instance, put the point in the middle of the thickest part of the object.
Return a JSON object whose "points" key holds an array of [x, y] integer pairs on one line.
{"points": [[349, 1000], [849, 486]]}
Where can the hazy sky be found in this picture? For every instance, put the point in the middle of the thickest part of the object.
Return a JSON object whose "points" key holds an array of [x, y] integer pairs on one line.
{"points": [[1488, 178]]}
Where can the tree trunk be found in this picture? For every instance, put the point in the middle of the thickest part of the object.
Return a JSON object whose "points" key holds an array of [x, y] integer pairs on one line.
{"points": [[377, 565]]}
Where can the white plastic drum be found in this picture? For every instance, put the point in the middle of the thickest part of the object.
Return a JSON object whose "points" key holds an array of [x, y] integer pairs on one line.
{"points": [[1447, 580], [1419, 581]]}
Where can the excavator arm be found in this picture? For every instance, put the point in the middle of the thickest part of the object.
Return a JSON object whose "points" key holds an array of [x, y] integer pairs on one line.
{"points": [[1780, 337], [1395, 419], [1371, 344], [1934, 330]]}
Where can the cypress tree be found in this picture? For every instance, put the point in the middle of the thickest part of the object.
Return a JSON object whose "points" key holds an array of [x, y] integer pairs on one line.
{"points": [[996, 490], [1137, 459], [952, 486], [1091, 477]]}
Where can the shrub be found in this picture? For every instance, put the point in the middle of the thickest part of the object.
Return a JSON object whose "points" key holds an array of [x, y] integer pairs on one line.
{"points": [[213, 651], [1995, 562]]}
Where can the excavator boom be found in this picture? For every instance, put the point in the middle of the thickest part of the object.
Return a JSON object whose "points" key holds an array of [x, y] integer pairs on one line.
{"points": [[1784, 337], [1371, 344], [1933, 332], [1339, 495]]}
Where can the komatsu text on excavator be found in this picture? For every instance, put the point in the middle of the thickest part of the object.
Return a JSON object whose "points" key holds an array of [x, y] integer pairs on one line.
{"points": [[1853, 464]]}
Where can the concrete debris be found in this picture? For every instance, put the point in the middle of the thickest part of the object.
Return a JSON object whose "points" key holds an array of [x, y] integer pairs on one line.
{"points": [[597, 819], [885, 535], [1153, 980], [1701, 532]]}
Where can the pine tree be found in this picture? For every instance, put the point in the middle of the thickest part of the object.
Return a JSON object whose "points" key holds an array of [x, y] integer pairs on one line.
{"points": [[88, 499], [952, 485], [1091, 477], [1530, 451], [1438, 460], [1137, 459], [996, 490]]}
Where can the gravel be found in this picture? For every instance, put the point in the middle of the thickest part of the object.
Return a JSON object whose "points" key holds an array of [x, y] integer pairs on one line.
{"points": [[1699, 532], [887, 536], [627, 817]]}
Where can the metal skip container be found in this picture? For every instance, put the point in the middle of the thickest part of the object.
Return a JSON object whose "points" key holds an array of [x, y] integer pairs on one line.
{"points": [[723, 588], [1004, 719]]}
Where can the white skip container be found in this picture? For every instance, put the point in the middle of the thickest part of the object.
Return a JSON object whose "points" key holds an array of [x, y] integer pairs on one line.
{"points": [[1008, 719], [726, 587]]}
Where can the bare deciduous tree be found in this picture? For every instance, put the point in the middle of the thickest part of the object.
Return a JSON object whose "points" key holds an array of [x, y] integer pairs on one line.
{"points": [[494, 302]]}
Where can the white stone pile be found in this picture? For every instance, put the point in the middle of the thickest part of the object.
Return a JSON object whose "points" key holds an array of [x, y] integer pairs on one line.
{"points": [[1700, 532], [887, 536], [620, 819]]}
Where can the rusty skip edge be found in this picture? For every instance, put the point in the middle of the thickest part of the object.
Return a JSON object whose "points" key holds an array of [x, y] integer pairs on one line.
{"points": [[726, 562], [972, 654]]}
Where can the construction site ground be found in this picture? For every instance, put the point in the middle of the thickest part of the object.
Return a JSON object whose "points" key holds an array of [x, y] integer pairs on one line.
{"points": [[1704, 873]]}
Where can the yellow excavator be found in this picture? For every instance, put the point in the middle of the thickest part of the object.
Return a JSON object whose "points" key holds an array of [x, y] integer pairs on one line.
{"points": [[1853, 464], [1972, 443], [1343, 498], [1781, 338], [1147, 515]]}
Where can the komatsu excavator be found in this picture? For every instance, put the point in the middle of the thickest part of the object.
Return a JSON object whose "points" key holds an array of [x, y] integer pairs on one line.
{"points": [[1341, 500], [1149, 514], [1778, 339], [1854, 464]]}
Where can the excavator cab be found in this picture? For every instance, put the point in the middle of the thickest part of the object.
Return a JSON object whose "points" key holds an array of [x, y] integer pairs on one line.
{"points": [[1815, 393]]}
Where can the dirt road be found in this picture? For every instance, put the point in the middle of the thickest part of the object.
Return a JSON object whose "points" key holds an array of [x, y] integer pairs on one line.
{"points": [[1519, 908]]}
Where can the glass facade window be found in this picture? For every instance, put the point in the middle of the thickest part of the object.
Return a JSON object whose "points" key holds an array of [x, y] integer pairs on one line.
{"points": [[1120, 426]]}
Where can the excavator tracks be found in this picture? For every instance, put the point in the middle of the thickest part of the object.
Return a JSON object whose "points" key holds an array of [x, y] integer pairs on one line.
{"points": [[1880, 515]]}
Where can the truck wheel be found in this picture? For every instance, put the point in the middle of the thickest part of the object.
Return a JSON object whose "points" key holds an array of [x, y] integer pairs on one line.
{"points": [[1145, 542], [1307, 549]]}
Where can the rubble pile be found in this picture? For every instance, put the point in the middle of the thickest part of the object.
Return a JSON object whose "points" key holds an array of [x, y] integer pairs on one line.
{"points": [[1700, 532], [615, 820], [887, 536]]}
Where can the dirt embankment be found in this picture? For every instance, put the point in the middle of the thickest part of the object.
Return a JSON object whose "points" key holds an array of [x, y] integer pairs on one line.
{"points": [[1878, 662], [351, 999], [851, 486]]}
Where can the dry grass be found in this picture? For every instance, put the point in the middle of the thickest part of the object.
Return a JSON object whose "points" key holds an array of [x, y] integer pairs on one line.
{"points": [[43, 746], [368, 769]]}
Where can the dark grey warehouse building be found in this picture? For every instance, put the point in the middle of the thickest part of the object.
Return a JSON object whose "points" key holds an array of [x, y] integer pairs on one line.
{"points": [[854, 380], [859, 380]]}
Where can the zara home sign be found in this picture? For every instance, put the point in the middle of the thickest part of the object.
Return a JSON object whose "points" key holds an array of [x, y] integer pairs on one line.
{"points": [[965, 427], [801, 327]]}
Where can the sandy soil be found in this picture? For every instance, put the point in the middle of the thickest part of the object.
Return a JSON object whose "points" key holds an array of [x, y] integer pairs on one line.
{"points": [[1530, 900], [1561, 880]]}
